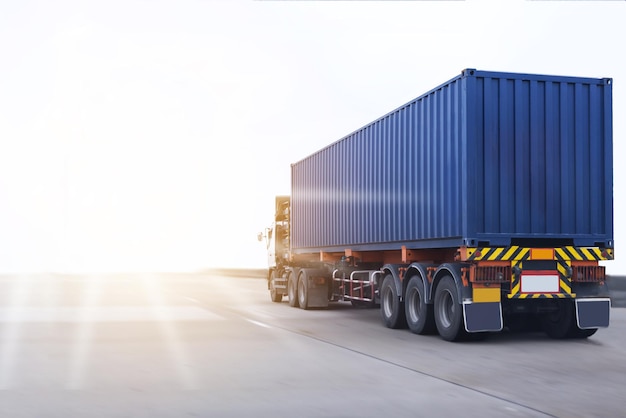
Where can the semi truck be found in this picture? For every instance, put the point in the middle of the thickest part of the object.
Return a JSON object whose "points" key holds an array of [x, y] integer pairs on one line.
{"points": [[484, 204]]}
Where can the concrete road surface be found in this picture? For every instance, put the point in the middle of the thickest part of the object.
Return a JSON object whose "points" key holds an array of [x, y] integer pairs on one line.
{"points": [[216, 346]]}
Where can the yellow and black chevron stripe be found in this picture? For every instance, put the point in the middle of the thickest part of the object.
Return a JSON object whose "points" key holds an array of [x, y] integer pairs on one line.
{"points": [[583, 254], [565, 284], [516, 253], [497, 253]]}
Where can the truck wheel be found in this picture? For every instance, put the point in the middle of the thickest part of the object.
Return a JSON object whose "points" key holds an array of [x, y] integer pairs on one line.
{"points": [[578, 333], [419, 314], [292, 291], [562, 322], [522, 322], [303, 291], [391, 309], [448, 310], [274, 295]]}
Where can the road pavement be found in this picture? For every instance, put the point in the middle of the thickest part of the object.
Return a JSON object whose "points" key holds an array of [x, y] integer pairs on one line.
{"points": [[211, 345]]}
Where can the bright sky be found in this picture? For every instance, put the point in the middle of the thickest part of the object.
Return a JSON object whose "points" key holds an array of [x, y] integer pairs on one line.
{"points": [[154, 135]]}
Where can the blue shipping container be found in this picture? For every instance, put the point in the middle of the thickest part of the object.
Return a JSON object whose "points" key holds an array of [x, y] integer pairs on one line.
{"points": [[486, 159]]}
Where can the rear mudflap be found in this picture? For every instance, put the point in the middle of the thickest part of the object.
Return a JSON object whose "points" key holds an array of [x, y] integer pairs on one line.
{"points": [[593, 312]]}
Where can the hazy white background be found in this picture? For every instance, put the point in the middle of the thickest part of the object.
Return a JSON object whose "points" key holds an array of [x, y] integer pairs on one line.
{"points": [[153, 135]]}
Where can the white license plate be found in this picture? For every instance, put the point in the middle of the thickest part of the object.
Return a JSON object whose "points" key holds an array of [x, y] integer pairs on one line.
{"points": [[540, 283]]}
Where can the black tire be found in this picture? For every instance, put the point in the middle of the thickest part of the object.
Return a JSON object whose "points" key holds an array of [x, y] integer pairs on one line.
{"points": [[274, 295], [391, 309], [419, 315], [562, 322], [448, 311], [292, 291], [522, 322], [578, 333], [303, 291]]}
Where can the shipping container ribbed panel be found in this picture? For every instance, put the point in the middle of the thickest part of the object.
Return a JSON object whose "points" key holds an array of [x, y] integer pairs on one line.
{"points": [[485, 159]]}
